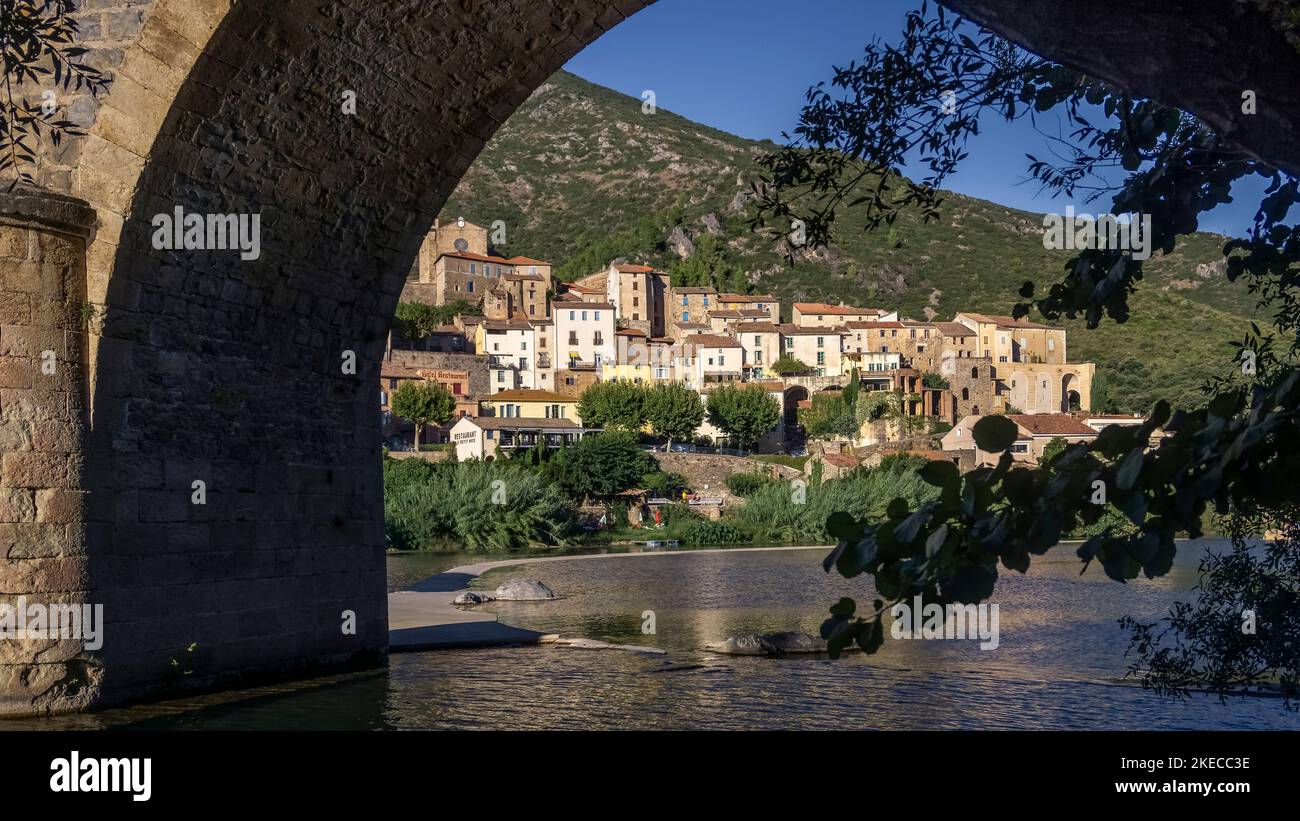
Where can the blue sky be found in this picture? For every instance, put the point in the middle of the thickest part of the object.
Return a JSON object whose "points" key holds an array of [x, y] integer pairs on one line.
{"points": [[743, 66]]}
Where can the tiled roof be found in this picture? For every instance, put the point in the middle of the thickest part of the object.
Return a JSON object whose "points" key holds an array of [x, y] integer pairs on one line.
{"points": [[1003, 321], [521, 423], [474, 257], [796, 330], [573, 304], [527, 261], [711, 341], [869, 326], [837, 310], [694, 291], [528, 395], [953, 329], [746, 298], [1055, 424], [633, 269], [840, 460]]}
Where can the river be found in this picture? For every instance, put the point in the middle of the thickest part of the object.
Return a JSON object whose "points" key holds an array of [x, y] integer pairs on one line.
{"points": [[1059, 663]]}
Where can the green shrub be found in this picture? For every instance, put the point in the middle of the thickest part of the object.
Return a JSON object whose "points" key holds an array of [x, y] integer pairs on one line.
{"points": [[776, 513], [480, 505], [745, 484], [707, 531]]}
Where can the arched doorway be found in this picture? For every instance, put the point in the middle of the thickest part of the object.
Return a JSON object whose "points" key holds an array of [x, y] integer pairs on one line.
{"points": [[1071, 400]]}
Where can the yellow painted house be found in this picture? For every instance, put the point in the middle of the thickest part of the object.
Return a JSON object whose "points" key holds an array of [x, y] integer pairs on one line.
{"points": [[527, 403]]}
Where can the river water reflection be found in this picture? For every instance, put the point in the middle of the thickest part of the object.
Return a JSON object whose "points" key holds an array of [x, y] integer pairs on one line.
{"points": [[1058, 665]]}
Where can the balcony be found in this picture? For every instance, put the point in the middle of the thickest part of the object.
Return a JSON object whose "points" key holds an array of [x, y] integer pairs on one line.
{"points": [[581, 365]]}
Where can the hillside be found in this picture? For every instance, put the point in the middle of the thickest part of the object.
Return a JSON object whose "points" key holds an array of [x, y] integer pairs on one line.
{"points": [[581, 176]]}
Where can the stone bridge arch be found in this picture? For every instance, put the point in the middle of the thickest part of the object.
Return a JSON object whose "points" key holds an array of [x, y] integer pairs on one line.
{"points": [[201, 367], [204, 367]]}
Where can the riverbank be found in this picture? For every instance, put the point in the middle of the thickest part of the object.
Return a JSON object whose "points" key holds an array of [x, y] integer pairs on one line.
{"points": [[424, 618]]}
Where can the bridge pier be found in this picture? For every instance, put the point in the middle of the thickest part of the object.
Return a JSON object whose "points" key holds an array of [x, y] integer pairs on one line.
{"points": [[43, 422]]}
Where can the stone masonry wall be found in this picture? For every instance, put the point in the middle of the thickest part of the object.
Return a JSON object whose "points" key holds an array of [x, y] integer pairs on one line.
{"points": [[43, 555]]}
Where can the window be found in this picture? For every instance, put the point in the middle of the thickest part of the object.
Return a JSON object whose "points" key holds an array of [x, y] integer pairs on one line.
{"points": [[821, 357], [1019, 448], [473, 268], [1051, 344], [706, 300], [573, 338], [523, 345], [573, 315], [1002, 359], [523, 363], [491, 434], [532, 310], [469, 286], [685, 316], [914, 333], [635, 285], [532, 269], [722, 361], [501, 377], [636, 301], [789, 343], [685, 301], [597, 317], [821, 342]]}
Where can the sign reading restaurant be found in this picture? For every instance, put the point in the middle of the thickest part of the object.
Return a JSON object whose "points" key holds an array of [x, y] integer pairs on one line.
{"points": [[455, 381]]}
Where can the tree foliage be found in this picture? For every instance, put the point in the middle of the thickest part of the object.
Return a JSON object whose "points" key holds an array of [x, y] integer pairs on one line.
{"points": [[423, 404], [36, 48], [614, 406], [788, 365], [924, 97], [746, 413], [674, 411], [416, 320], [603, 464], [1239, 636]]}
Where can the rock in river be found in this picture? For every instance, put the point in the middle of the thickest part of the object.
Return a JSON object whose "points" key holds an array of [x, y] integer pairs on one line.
{"points": [[524, 590], [471, 597], [769, 644]]}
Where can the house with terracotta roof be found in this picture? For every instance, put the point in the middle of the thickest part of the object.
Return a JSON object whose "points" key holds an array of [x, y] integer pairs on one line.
{"points": [[1006, 340], [639, 294], [1034, 432], [710, 358], [486, 437], [817, 347], [823, 315], [690, 305], [530, 403], [766, 306], [761, 342]]}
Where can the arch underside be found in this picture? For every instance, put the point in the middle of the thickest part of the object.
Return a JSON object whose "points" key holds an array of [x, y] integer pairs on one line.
{"points": [[232, 372]]}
